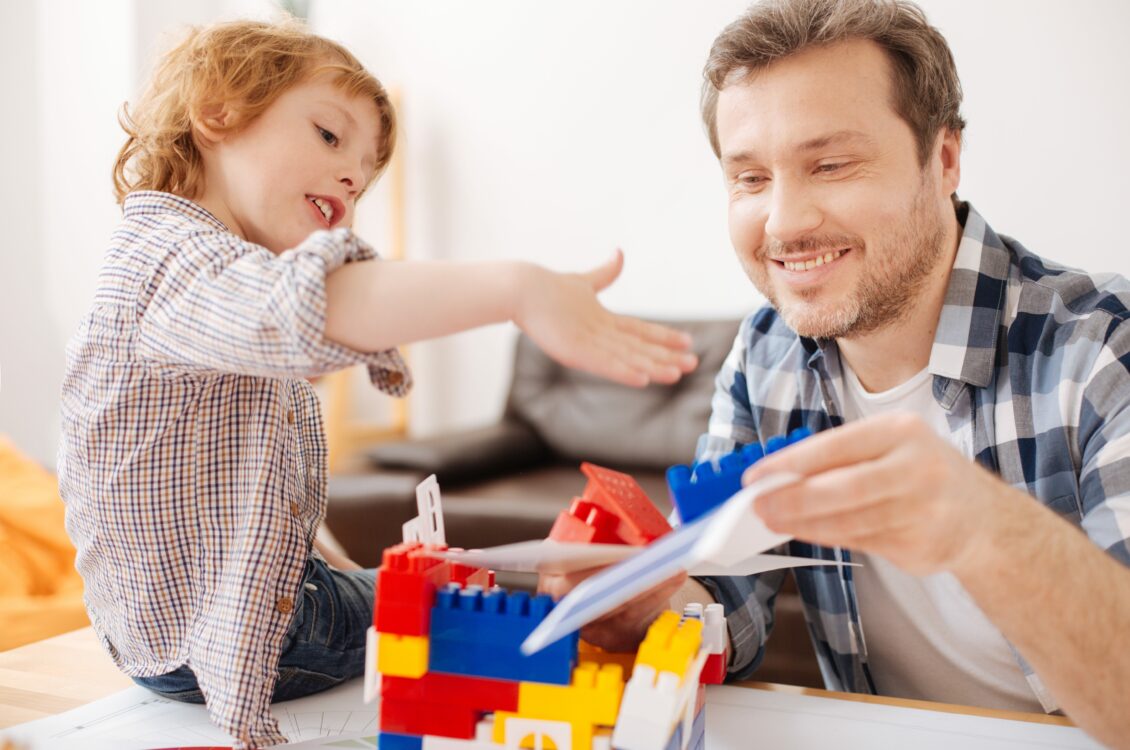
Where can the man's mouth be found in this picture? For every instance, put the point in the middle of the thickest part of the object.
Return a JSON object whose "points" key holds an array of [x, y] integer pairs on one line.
{"points": [[807, 264]]}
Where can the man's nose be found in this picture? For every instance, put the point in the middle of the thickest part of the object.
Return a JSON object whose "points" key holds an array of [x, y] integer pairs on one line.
{"points": [[793, 212]]}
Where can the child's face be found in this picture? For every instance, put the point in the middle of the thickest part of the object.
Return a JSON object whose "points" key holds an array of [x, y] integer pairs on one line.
{"points": [[297, 168]]}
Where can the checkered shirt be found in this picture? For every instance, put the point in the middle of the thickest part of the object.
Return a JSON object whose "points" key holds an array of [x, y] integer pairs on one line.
{"points": [[193, 457], [1030, 364]]}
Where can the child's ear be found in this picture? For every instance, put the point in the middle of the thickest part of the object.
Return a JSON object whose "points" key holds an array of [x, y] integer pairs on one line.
{"points": [[211, 122]]}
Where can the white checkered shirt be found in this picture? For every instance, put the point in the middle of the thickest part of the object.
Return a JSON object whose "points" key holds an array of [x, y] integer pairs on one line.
{"points": [[193, 457]]}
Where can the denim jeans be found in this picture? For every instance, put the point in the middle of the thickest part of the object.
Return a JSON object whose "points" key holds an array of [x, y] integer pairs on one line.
{"points": [[324, 646]]}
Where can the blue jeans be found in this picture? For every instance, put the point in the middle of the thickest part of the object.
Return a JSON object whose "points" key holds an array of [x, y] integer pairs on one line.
{"points": [[324, 646]]}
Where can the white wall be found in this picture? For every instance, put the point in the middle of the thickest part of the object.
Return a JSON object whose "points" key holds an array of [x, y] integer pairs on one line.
{"points": [[548, 131], [556, 131]]}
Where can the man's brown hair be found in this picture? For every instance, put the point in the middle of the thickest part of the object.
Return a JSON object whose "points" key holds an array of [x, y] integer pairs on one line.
{"points": [[925, 88]]}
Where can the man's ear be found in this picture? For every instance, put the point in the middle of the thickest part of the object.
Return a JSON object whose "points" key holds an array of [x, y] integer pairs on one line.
{"points": [[211, 123], [949, 153]]}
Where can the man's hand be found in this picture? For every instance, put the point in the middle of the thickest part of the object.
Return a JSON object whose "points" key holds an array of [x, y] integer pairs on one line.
{"points": [[887, 485], [624, 628]]}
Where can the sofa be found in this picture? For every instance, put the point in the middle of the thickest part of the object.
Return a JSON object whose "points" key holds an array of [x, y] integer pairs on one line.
{"points": [[508, 481]]}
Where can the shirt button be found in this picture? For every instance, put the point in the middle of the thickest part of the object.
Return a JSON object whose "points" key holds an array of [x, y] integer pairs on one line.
{"points": [[395, 378], [285, 605], [290, 416], [294, 509]]}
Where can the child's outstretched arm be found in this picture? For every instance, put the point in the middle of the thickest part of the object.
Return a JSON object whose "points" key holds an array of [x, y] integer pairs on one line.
{"points": [[371, 306]]}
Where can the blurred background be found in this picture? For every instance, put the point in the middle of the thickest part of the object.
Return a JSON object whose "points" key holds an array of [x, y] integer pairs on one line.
{"points": [[549, 131]]}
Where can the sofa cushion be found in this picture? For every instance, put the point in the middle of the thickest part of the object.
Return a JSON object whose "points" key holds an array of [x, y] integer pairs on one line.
{"points": [[583, 417]]}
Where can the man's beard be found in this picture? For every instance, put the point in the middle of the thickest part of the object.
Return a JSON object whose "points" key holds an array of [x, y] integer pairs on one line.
{"points": [[901, 265]]}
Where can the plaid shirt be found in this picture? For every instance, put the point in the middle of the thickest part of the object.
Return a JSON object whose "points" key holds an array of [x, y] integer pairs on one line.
{"points": [[193, 459], [1030, 364]]}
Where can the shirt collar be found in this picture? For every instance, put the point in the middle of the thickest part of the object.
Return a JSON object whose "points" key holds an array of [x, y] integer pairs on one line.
{"points": [[965, 345], [150, 202]]}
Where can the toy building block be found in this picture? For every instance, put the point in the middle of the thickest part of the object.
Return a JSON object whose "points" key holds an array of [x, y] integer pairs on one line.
{"points": [[614, 509], [412, 717], [478, 634], [714, 644], [656, 700], [698, 489], [670, 645], [406, 584], [441, 689], [402, 655], [588, 652], [393, 741], [469, 575], [591, 700], [427, 526], [587, 523]]}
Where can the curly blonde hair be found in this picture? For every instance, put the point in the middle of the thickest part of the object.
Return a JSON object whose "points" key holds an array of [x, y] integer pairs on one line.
{"points": [[243, 66]]}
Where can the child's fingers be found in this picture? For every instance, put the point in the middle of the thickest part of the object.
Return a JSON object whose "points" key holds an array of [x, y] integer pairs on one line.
{"points": [[656, 333]]}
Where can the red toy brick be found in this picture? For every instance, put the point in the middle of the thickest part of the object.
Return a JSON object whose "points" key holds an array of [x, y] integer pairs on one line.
{"points": [[478, 693], [586, 522], [418, 717], [714, 671], [620, 494], [406, 586]]}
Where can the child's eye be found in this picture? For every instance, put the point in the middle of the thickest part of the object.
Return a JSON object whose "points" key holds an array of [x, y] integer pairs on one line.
{"points": [[327, 136]]}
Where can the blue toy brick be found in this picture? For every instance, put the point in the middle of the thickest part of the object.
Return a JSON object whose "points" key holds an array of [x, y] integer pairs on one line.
{"points": [[478, 634], [696, 490], [393, 741]]}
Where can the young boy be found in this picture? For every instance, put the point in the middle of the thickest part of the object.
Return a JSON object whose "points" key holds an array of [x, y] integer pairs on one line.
{"points": [[193, 460]]}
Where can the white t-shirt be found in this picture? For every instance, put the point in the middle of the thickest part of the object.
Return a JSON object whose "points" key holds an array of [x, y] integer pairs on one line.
{"points": [[926, 637]]}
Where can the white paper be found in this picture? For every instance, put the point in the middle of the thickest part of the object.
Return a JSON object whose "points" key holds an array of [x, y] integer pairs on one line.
{"points": [[141, 719]]}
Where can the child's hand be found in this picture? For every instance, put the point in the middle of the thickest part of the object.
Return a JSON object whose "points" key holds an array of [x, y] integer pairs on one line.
{"points": [[561, 313]]}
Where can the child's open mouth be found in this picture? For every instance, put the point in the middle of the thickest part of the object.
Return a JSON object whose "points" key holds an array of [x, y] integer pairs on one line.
{"points": [[329, 209]]}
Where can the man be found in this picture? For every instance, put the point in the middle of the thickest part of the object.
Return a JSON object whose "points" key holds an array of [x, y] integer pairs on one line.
{"points": [[982, 472]]}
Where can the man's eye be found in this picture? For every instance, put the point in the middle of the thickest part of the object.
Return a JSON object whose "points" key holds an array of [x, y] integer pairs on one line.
{"points": [[828, 168], [327, 136]]}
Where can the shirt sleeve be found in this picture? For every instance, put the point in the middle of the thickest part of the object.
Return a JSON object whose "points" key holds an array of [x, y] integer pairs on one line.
{"points": [[218, 303], [747, 600], [1104, 445]]}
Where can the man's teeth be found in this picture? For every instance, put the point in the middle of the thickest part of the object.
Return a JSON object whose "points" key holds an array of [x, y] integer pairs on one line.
{"points": [[808, 265], [323, 206]]}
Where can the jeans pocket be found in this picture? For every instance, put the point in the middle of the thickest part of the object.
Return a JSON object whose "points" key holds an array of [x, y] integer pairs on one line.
{"points": [[319, 614]]}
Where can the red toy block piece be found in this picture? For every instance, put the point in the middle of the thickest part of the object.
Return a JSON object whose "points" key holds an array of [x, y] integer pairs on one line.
{"points": [[461, 691], [586, 523], [469, 575], [714, 671], [417, 717], [406, 587], [621, 495]]}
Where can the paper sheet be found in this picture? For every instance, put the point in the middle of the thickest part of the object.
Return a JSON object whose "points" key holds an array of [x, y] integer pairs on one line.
{"points": [[138, 718]]}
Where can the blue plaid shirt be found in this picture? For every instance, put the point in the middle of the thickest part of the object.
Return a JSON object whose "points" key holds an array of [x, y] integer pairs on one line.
{"points": [[1030, 365]]}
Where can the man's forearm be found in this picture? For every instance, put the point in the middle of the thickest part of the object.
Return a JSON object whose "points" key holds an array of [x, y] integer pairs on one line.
{"points": [[1064, 604]]}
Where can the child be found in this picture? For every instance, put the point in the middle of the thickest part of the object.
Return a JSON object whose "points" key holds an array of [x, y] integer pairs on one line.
{"points": [[193, 460]]}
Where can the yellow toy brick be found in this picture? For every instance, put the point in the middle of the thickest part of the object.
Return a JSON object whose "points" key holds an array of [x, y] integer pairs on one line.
{"points": [[402, 655], [592, 699], [670, 645], [588, 652]]}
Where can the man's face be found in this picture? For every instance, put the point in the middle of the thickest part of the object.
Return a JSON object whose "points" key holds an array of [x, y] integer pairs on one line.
{"points": [[830, 212], [297, 168]]}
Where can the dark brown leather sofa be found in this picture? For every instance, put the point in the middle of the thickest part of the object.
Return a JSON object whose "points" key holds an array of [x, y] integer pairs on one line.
{"points": [[507, 482]]}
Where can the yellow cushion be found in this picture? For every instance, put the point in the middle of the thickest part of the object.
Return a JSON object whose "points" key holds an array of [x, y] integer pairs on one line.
{"points": [[40, 592]]}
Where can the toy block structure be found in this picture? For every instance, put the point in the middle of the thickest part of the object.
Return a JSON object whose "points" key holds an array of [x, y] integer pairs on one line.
{"points": [[699, 488], [613, 509], [444, 650]]}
